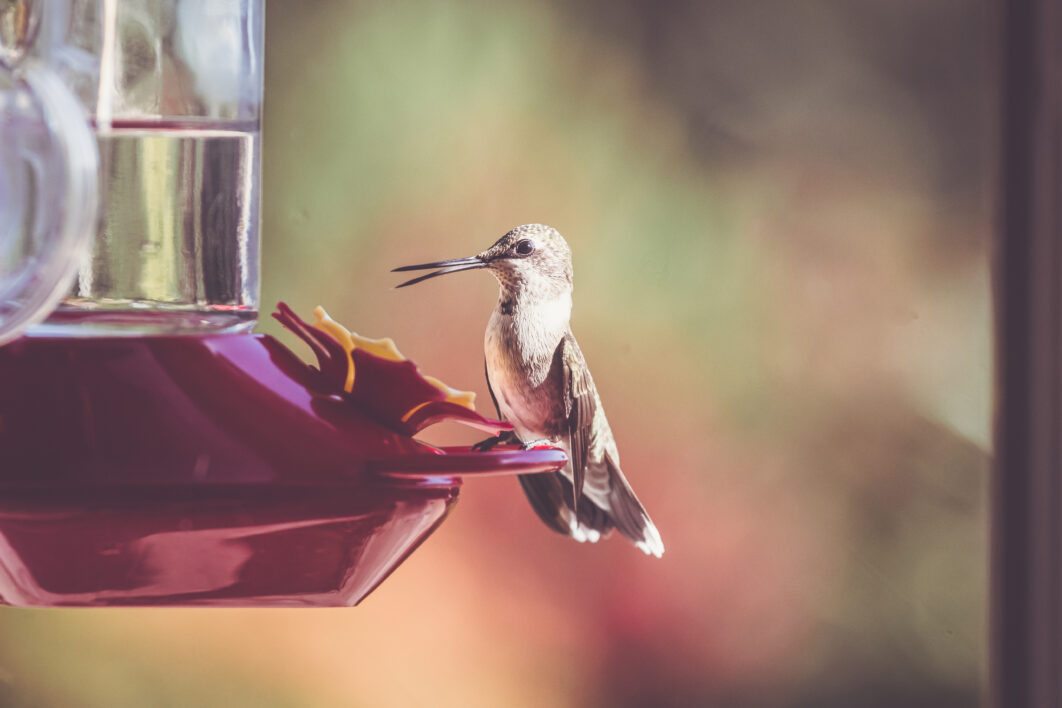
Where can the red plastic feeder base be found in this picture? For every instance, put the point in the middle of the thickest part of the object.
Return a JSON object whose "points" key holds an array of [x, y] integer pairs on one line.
{"points": [[206, 471]]}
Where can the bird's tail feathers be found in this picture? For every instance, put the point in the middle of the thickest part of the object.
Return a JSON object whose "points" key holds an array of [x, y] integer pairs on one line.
{"points": [[551, 498], [630, 517]]}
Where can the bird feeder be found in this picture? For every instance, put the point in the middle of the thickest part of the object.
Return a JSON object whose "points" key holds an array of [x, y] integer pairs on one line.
{"points": [[152, 450]]}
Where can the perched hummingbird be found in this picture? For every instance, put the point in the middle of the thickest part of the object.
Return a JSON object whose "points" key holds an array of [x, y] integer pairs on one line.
{"points": [[540, 383]]}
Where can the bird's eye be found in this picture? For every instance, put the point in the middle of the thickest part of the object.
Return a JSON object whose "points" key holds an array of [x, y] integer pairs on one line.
{"points": [[525, 247]]}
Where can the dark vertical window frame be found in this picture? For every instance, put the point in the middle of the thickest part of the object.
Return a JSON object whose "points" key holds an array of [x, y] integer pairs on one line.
{"points": [[1026, 605]]}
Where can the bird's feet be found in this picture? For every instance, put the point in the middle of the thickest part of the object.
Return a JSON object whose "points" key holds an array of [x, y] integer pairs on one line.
{"points": [[535, 444], [506, 437]]}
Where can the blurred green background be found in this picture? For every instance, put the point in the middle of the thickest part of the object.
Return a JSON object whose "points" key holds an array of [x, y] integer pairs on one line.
{"points": [[779, 216]]}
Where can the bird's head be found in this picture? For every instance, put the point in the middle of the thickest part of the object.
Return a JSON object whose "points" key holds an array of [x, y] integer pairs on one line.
{"points": [[532, 260]]}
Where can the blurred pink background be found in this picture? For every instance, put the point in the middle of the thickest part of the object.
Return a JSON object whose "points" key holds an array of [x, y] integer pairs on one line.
{"points": [[779, 215]]}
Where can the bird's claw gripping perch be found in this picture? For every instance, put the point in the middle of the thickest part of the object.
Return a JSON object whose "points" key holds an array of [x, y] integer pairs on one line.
{"points": [[506, 437]]}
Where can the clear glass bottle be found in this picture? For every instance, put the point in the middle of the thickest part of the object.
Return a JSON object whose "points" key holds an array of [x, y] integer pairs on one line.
{"points": [[171, 91]]}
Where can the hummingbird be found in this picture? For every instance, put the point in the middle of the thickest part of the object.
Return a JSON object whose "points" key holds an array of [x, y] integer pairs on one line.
{"points": [[540, 383]]}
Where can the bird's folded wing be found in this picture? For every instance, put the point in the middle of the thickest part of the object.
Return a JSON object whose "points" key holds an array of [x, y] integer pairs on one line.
{"points": [[580, 407]]}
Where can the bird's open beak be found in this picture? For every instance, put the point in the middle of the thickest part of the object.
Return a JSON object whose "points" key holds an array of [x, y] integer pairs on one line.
{"points": [[452, 266]]}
